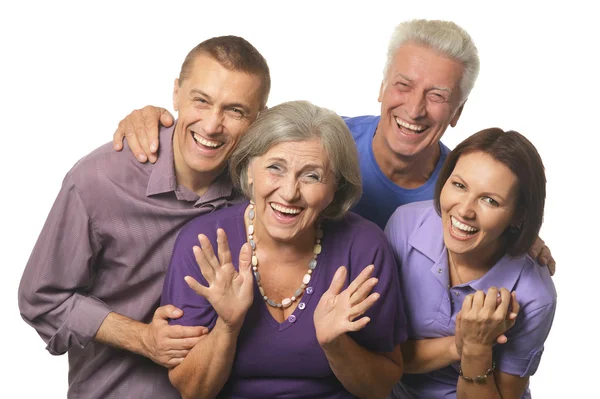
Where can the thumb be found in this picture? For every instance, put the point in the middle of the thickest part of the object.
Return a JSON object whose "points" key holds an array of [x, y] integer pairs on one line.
{"points": [[337, 283], [166, 119], [167, 312]]}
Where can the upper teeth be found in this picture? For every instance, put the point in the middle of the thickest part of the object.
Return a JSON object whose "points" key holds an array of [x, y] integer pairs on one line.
{"points": [[461, 226], [206, 142], [410, 126], [285, 209]]}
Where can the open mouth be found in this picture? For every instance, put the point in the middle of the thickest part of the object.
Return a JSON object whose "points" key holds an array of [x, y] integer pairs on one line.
{"points": [[212, 144], [285, 212], [409, 128], [461, 230]]}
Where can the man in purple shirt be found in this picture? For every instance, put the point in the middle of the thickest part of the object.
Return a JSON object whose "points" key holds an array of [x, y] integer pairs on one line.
{"points": [[94, 279]]}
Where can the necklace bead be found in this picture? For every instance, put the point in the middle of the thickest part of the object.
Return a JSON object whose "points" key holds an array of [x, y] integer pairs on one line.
{"points": [[312, 264]]}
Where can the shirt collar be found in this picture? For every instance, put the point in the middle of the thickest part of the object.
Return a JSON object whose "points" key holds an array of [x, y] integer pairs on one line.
{"points": [[163, 179]]}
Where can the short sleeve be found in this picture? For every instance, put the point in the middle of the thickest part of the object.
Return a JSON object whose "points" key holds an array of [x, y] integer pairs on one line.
{"points": [[522, 353], [387, 327], [197, 311]]}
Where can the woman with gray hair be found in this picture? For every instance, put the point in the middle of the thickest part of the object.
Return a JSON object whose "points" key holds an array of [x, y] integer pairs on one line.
{"points": [[287, 319]]}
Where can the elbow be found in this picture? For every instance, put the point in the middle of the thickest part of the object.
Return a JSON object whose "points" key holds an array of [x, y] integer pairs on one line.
{"points": [[187, 385]]}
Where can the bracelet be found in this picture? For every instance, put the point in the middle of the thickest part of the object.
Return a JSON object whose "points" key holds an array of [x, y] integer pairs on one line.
{"points": [[480, 379]]}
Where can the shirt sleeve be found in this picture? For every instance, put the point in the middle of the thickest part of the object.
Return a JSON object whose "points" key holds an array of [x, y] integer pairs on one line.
{"points": [[387, 327], [522, 353], [197, 311], [52, 292]]}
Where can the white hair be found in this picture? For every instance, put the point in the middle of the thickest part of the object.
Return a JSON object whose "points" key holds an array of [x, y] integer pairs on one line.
{"points": [[445, 37]]}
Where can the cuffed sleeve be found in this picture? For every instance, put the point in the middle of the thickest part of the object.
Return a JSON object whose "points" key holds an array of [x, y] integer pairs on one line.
{"points": [[59, 273]]}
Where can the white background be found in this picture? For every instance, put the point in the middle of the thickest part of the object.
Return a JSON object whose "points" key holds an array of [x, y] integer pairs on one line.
{"points": [[70, 71]]}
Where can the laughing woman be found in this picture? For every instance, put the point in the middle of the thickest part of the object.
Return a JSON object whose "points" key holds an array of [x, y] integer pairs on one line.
{"points": [[467, 280], [286, 320]]}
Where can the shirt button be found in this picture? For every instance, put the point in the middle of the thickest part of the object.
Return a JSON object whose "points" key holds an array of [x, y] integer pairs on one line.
{"points": [[309, 290], [301, 305], [453, 301], [439, 271], [292, 318], [456, 293]]}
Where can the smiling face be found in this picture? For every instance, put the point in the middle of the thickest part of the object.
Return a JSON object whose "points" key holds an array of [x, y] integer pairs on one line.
{"points": [[478, 202], [419, 98], [215, 107], [291, 184]]}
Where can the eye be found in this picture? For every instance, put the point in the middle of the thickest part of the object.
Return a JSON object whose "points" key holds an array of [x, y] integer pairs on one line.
{"points": [[274, 168], [313, 177], [200, 100], [236, 112], [437, 98], [491, 202], [402, 86], [458, 185]]}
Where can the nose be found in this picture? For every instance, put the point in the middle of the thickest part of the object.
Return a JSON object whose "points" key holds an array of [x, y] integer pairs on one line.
{"points": [[289, 189], [414, 106], [466, 209], [212, 123]]}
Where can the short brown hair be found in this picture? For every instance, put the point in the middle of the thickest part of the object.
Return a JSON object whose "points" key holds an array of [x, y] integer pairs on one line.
{"points": [[520, 156], [300, 121], [235, 54]]}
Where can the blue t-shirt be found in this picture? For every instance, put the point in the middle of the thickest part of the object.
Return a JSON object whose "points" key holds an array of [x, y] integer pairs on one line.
{"points": [[381, 196]]}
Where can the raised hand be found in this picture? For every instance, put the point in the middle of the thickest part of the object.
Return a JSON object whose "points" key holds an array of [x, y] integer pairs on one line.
{"points": [[501, 339], [141, 129], [339, 312], [168, 345], [484, 319], [230, 292]]}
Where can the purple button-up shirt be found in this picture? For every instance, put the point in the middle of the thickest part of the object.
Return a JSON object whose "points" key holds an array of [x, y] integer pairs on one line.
{"points": [[416, 234], [105, 247]]}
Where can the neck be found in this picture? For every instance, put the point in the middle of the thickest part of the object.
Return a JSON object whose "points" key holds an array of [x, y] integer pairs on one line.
{"points": [[287, 252], [406, 172], [198, 182], [473, 265]]}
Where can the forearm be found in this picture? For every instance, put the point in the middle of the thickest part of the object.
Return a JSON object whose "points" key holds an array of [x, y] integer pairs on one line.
{"points": [[206, 369], [426, 355], [363, 373], [123, 333], [475, 361]]}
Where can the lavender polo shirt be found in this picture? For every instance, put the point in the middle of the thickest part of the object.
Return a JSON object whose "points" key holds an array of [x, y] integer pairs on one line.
{"points": [[284, 360], [416, 234], [106, 247]]}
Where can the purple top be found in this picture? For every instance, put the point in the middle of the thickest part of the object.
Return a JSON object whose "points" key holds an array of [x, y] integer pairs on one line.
{"points": [[283, 360], [105, 247], [416, 234]]}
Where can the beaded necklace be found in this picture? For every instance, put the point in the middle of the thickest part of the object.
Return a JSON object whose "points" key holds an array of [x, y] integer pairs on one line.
{"points": [[312, 264]]}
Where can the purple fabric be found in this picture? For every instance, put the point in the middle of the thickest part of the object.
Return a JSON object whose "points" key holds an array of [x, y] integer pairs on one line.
{"points": [[105, 247], [284, 360], [415, 232]]}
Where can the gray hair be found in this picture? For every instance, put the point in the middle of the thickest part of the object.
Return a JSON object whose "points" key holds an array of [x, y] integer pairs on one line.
{"points": [[301, 121], [444, 36]]}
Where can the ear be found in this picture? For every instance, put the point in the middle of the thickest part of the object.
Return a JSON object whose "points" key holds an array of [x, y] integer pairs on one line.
{"points": [[176, 95], [457, 114], [380, 98]]}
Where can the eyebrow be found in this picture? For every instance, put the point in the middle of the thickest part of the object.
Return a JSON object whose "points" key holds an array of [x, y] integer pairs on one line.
{"points": [[447, 89], [245, 107]]}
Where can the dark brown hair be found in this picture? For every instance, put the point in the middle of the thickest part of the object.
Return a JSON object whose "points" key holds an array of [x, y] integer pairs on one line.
{"points": [[520, 156], [235, 54]]}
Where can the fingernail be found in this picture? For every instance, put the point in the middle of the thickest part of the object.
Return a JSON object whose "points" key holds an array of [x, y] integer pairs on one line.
{"points": [[153, 147], [142, 157], [513, 315]]}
